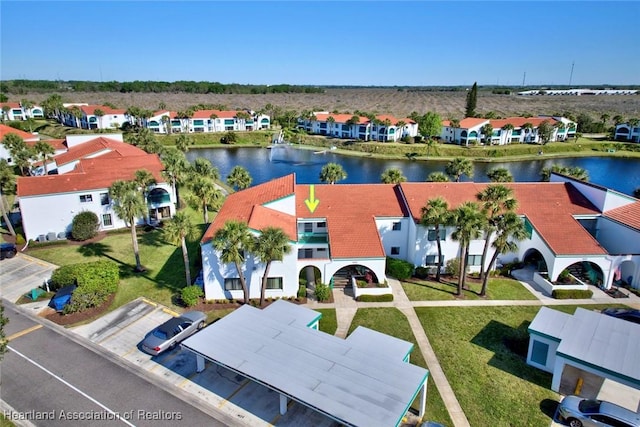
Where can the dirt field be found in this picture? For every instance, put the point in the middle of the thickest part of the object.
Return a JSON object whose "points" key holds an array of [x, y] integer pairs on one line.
{"points": [[382, 101]]}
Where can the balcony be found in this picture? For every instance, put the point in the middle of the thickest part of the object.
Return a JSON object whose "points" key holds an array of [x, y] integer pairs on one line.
{"points": [[313, 238]]}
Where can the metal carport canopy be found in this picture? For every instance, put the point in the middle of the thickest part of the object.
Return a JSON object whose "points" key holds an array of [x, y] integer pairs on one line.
{"points": [[354, 383]]}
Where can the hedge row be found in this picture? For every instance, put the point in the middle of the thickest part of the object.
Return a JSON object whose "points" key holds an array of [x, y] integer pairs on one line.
{"points": [[375, 298], [572, 294], [401, 270]]}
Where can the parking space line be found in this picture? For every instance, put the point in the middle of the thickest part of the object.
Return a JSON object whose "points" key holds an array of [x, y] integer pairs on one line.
{"points": [[148, 302], [23, 332], [188, 379], [135, 347], [171, 312], [278, 416], [233, 394]]}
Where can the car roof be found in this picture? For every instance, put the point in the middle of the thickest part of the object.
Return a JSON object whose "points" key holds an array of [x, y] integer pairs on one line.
{"points": [[170, 325], [6, 245], [619, 412]]}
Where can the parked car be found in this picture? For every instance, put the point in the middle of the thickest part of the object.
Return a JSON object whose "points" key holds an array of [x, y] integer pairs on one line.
{"points": [[623, 313], [62, 297], [8, 250], [171, 332], [579, 412]]}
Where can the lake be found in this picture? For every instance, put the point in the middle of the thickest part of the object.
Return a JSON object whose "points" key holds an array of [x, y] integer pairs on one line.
{"points": [[263, 164]]}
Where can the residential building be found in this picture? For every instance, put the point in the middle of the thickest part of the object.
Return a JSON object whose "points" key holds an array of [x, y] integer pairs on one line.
{"points": [[87, 116], [627, 132], [12, 111], [383, 128], [206, 121], [356, 226], [84, 174], [506, 131], [579, 92], [27, 137]]}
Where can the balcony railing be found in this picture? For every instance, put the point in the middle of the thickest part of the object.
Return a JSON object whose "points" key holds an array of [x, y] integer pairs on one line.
{"points": [[159, 199], [313, 238]]}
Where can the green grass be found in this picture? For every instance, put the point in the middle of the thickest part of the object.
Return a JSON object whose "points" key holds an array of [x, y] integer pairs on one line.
{"points": [[4, 422], [499, 288], [392, 322], [217, 314], [475, 347], [328, 321]]}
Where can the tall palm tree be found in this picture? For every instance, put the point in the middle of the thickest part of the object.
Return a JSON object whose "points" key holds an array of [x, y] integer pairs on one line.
{"points": [[469, 222], [45, 152], [618, 119], [177, 230], [146, 140], [455, 124], [527, 128], [436, 213], [400, 126], [574, 172], [558, 126], [500, 175], [7, 182], [271, 245], [183, 142], [166, 121], [392, 176], [99, 114], [129, 204], [508, 128], [487, 132], [458, 167], [437, 177], [205, 195], [20, 152], [234, 241], [239, 178], [176, 168], [203, 167], [330, 122], [496, 200], [510, 230], [332, 173]]}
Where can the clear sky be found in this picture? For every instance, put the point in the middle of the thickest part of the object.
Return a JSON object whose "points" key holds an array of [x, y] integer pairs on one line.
{"points": [[325, 43]]}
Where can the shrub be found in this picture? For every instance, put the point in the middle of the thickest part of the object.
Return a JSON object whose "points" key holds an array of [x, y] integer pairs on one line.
{"points": [[572, 294], [322, 292], [96, 281], [302, 291], [191, 294], [564, 275], [422, 272], [361, 284], [375, 298], [401, 270], [63, 276], [85, 225], [452, 267]]}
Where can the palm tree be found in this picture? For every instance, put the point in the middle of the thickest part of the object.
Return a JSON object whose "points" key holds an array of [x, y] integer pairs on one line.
{"points": [[147, 141], [166, 121], [400, 126], [203, 167], [183, 142], [496, 200], [177, 230], [574, 172], [392, 176], [332, 173], [618, 119], [507, 129], [99, 114], [7, 182], [45, 152], [527, 127], [239, 178], [500, 175], [20, 152], [129, 204], [458, 167], [509, 227], [437, 177], [487, 132], [213, 118], [559, 126], [5, 113], [176, 168], [233, 241], [205, 195], [455, 124], [271, 245], [330, 122], [436, 213], [469, 222], [604, 117], [27, 105]]}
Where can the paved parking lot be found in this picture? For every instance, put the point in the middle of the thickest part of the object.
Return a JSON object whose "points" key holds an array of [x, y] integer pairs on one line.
{"points": [[20, 274], [121, 331]]}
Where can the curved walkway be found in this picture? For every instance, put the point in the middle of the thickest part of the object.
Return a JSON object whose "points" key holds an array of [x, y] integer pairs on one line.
{"points": [[346, 307]]}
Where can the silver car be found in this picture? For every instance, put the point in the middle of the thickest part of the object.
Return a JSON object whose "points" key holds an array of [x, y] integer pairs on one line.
{"points": [[174, 330], [578, 412]]}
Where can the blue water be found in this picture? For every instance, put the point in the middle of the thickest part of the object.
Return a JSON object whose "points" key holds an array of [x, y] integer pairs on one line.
{"points": [[617, 173]]}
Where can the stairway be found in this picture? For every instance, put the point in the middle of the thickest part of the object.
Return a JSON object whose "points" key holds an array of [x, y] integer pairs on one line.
{"points": [[341, 281]]}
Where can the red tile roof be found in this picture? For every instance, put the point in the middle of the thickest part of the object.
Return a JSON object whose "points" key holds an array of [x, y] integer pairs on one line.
{"points": [[89, 110], [239, 206], [467, 122], [343, 118], [628, 215], [96, 146], [4, 130], [10, 104], [205, 114], [171, 114], [91, 174], [57, 144], [261, 218], [548, 206], [518, 122]]}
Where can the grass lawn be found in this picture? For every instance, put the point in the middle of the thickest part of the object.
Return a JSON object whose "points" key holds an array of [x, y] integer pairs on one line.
{"points": [[499, 288], [392, 322], [482, 351], [328, 321], [4, 422]]}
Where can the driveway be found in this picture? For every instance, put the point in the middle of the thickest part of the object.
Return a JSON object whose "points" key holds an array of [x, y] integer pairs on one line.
{"points": [[22, 273]]}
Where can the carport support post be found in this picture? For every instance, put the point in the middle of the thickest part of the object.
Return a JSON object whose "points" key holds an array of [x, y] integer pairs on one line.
{"points": [[283, 404], [423, 399], [199, 363]]}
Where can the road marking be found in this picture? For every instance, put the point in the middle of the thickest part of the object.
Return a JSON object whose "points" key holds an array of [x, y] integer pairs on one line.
{"points": [[149, 302], [171, 312], [24, 332], [71, 386], [233, 394]]}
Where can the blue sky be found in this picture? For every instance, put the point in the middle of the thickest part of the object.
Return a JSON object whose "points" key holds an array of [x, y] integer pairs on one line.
{"points": [[326, 43]]}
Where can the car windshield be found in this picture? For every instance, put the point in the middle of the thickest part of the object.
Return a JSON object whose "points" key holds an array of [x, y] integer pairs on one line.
{"points": [[160, 334], [589, 406]]}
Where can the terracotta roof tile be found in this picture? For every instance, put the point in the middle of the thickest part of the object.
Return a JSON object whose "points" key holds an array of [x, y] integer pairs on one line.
{"points": [[95, 146], [5, 130], [90, 110], [239, 206], [205, 114], [548, 206], [261, 218], [343, 118], [10, 104], [91, 174], [628, 215], [518, 122]]}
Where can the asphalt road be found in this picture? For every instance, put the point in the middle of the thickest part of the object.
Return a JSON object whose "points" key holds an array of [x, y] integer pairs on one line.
{"points": [[50, 379]]}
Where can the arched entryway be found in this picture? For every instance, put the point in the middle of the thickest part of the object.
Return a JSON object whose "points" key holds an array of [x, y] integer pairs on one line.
{"points": [[534, 257], [624, 275], [309, 275], [587, 272], [159, 201], [342, 278]]}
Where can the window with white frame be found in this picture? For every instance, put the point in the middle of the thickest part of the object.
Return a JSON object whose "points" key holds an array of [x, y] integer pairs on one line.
{"points": [[107, 221], [274, 283], [232, 284], [433, 260], [474, 259], [431, 235], [397, 226], [86, 198], [104, 199]]}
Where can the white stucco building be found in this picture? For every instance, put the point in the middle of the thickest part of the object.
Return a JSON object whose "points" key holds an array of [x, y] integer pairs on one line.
{"points": [[355, 226], [627, 132], [205, 121], [87, 116], [85, 172], [383, 128], [17, 111]]}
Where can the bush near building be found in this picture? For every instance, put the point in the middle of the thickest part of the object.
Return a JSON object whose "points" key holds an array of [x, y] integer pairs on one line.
{"points": [[85, 226], [572, 294], [401, 270], [191, 295], [95, 280]]}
